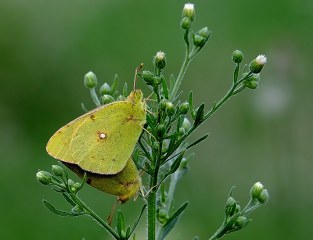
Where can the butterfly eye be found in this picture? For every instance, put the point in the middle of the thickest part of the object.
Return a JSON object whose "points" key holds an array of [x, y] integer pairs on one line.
{"points": [[102, 135]]}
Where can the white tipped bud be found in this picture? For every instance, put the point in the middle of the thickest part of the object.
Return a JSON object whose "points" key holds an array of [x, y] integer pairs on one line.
{"points": [[189, 11], [261, 59], [257, 64], [160, 60]]}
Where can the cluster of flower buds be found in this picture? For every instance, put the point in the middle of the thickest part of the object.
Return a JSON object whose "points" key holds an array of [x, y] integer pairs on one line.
{"points": [[58, 179], [188, 16], [237, 218], [201, 37], [108, 93], [252, 76], [259, 192]]}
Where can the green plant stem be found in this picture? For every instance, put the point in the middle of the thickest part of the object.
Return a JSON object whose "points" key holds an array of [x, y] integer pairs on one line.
{"points": [[151, 214], [153, 195], [218, 234], [231, 92], [183, 68], [96, 217], [95, 97]]}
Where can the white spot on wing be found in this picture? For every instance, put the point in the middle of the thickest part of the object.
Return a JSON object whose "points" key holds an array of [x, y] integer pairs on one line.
{"points": [[102, 135]]}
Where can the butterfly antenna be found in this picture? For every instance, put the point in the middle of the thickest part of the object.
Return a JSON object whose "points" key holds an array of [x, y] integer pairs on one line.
{"points": [[148, 133], [138, 69], [110, 217]]}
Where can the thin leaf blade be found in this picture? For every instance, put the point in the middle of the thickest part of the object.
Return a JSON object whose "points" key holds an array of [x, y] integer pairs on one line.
{"points": [[172, 221]]}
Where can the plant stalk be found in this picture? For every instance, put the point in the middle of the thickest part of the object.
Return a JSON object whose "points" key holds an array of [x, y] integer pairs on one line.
{"points": [[96, 217]]}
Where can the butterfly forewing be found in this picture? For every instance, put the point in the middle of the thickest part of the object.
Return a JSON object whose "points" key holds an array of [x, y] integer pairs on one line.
{"points": [[101, 141]]}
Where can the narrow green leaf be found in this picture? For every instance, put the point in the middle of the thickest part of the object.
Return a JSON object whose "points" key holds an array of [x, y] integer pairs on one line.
{"points": [[68, 199], [179, 122], [165, 89], [120, 223], [197, 141], [125, 90], [137, 221], [127, 232], [177, 97], [171, 222], [150, 120], [176, 163], [190, 100], [199, 115], [172, 81], [148, 168], [56, 211], [114, 84]]}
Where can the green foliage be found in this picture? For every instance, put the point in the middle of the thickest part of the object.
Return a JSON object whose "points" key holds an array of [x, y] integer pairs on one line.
{"points": [[161, 149]]}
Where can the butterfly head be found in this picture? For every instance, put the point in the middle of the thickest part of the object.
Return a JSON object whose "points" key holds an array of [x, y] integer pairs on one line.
{"points": [[135, 96]]}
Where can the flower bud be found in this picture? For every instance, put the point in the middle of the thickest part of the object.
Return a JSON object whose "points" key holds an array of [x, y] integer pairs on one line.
{"points": [[241, 222], [157, 80], [120, 98], [160, 131], [252, 82], [186, 124], [90, 80], [43, 177], [198, 41], [169, 108], [105, 99], [57, 170], [230, 207], [257, 64], [105, 89], [162, 216], [237, 56], [181, 131], [77, 185], [156, 146], [204, 32], [238, 208], [183, 164], [71, 185], [183, 108], [162, 104], [148, 77], [256, 190], [189, 11], [160, 60], [201, 37], [185, 23], [264, 196]]}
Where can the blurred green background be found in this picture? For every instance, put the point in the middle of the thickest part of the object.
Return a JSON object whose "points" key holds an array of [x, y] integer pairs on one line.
{"points": [[265, 135]]}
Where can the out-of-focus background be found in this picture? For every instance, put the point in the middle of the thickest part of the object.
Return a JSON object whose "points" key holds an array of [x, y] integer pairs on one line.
{"points": [[264, 135]]}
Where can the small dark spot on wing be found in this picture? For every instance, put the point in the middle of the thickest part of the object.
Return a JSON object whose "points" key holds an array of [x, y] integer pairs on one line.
{"points": [[92, 117]]}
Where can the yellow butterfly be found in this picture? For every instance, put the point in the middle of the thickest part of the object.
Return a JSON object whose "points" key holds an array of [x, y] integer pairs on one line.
{"points": [[101, 142]]}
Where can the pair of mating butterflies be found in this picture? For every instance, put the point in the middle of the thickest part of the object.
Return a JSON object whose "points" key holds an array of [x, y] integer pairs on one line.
{"points": [[100, 143]]}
